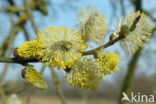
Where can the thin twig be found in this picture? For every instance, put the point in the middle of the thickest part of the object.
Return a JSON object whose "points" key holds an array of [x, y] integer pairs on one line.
{"points": [[15, 60], [30, 15], [10, 47], [26, 34], [42, 69], [109, 43]]}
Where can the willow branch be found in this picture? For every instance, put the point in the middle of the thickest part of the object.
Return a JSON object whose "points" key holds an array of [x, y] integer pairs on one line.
{"points": [[15, 60], [121, 36], [109, 43], [21, 61]]}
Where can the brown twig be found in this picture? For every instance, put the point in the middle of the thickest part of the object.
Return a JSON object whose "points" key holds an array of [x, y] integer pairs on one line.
{"points": [[15, 60], [109, 43]]}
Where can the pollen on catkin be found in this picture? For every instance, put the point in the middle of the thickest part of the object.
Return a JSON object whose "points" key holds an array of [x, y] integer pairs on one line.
{"points": [[63, 46], [107, 63], [34, 78], [91, 25], [139, 36], [84, 74], [30, 50]]}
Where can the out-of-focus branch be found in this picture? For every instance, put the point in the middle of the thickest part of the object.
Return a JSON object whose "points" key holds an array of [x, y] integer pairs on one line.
{"points": [[15, 9], [42, 69], [131, 70], [6, 43], [30, 15], [26, 34], [154, 29], [9, 50], [58, 87], [114, 10], [33, 5], [122, 7], [132, 65], [10, 47], [14, 60], [17, 28], [130, 74]]}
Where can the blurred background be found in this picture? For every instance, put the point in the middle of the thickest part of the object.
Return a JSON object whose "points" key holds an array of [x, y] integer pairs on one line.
{"points": [[137, 71]]}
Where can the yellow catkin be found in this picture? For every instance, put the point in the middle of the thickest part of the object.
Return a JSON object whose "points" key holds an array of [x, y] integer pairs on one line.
{"points": [[63, 46], [108, 62], [84, 74], [30, 50], [34, 78], [88, 73], [139, 36], [91, 25]]}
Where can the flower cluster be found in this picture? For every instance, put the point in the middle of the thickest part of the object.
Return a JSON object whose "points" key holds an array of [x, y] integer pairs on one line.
{"points": [[88, 73], [91, 25], [137, 35], [63, 47], [30, 50], [84, 74], [109, 62], [34, 78]]}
